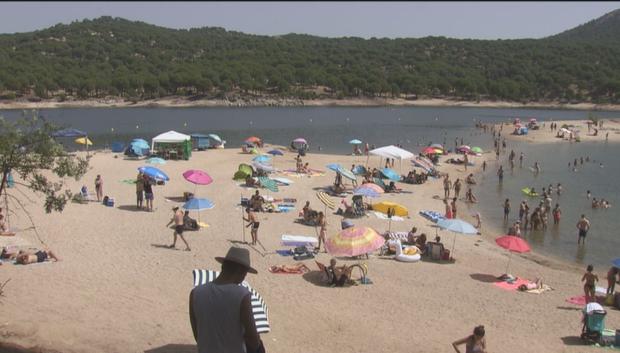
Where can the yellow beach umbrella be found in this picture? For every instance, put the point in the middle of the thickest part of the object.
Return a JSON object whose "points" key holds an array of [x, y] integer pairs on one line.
{"points": [[84, 141], [399, 210]]}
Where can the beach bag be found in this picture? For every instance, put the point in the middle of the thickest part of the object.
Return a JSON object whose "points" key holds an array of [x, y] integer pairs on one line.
{"points": [[300, 250], [105, 200]]}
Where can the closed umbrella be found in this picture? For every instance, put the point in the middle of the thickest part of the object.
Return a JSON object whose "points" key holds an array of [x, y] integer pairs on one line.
{"points": [[390, 174], [512, 244], [354, 241], [154, 173], [456, 226]]}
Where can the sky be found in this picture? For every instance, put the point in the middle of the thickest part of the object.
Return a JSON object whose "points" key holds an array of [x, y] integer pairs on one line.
{"points": [[476, 20]]}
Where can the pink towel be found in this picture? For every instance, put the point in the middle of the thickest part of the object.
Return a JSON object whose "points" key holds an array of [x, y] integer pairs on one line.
{"points": [[509, 286], [581, 300]]}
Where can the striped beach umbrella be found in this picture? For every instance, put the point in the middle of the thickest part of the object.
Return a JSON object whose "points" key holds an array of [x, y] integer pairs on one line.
{"points": [[372, 186], [326, 200], [259, 308], [354, 241], [268, 184]]}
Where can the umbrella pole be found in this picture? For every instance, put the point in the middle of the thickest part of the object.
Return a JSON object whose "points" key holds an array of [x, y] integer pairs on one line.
{"points": [[242, 225], [453, 245], [509, 258]]}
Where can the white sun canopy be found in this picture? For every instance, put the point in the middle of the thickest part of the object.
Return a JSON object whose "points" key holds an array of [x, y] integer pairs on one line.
{"points": [[392, 152], [169, 137]]}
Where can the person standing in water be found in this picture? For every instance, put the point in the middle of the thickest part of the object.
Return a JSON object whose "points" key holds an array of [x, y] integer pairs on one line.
{"points": [[521, 160], [583, 225], [500, 173], [557, 214], [559, 189], [506, 209], [484, 165]]}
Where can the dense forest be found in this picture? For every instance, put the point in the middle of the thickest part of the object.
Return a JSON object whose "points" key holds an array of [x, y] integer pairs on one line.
{"points": [[134, 60]]}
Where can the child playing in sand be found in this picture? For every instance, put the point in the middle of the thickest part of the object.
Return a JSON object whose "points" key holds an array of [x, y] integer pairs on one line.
{"points": [[590, 286]]}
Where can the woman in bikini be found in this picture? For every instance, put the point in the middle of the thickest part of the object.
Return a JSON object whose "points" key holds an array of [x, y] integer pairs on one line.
{"points": [[475, 343], [589, 287], [322, 233]]}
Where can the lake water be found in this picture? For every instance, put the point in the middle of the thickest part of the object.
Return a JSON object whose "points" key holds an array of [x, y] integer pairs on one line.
{"points": [[330, 128]]}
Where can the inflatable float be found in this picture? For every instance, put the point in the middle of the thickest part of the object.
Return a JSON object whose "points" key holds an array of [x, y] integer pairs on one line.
{"points": [[529, 192], [408, 254]]}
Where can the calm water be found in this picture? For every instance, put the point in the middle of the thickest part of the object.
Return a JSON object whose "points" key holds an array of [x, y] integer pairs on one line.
{"points": [[331, 129]]}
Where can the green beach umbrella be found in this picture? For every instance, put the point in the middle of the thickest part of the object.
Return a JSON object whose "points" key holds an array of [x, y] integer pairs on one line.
{"points": [[476, 149]]}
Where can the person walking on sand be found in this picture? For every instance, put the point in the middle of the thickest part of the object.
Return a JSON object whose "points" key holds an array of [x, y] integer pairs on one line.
{"points": [[589, 287], [484, 166], [612, 275], [139, 190], [99, 187], [148, 193], [447, 185], [521, 160], [220, 312], [506, 209], [453, 206], [457, 187], [323, 231], [252, 222], [465, 160], [177, 219], [500, 173], [583, 225], [475, 343]]}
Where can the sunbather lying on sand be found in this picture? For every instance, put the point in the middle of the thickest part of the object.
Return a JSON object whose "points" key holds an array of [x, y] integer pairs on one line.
{"points": [[536, 284], [296, 268], [29, 257]]}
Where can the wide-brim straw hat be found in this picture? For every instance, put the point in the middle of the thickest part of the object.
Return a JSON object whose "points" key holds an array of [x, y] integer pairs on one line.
{"points": [[240, 256]]}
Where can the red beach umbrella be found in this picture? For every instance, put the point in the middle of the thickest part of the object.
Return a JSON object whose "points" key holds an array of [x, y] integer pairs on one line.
{"points": [[512, 244]]}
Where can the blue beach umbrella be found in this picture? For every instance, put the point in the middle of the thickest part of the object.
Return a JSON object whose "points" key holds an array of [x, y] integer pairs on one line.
{"points": [[616, 262], [154, 173], [276, 153], [334, 166], [456, 226], [355, 142], [155, 160], [196, 204], [140, 143], [262, 158], [390, 174]]}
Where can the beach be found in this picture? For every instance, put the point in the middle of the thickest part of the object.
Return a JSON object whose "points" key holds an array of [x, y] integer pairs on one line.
{"points": [[118, 289]]}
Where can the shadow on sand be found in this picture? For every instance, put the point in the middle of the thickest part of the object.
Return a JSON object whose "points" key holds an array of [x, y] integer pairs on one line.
{"points": [[174, 348], [572, 341], [132, 208], [483, 277]]}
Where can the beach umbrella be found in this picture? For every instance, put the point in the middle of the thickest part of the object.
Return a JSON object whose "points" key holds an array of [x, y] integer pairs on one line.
{"points": [[366, 192], [429, 150], [300, 140], [263, 166], [616, 262], [326, 200], [383, 207], [355, 142], [155, 160], [253, 139], [372, 186], [339, 169], [276, 153], [198, 204], [437, 146], [512, 244], [197, 177], [420, 164], [215, 137], [154, 173], [259, 308], [262, 158], [390, 174], [456, 226], [476, 149], [354, 241], [334, 166], [83, 141], [268, 184]]}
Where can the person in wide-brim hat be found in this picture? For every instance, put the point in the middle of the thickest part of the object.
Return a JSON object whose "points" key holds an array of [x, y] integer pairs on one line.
{"points": [[239, 256]]}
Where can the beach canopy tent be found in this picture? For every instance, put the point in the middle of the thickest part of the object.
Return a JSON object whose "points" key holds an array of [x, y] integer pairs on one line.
{"points": [[171, 143], [200, 141], [117, 147], [391, 151]]}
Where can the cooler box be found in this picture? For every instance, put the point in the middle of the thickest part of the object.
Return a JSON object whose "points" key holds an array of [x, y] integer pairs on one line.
{"points": [[110, 202]]}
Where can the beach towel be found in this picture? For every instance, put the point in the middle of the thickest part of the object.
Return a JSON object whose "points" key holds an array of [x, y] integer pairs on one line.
{"points": [[384, 216], [432, 216], [511, 286], [277, 269], [203, 225], [299, 240], [581, 299], [259, 308], [286, 208]]}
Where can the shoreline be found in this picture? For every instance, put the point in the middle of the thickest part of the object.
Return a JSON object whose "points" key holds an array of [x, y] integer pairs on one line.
{"points": [[182, 102]]}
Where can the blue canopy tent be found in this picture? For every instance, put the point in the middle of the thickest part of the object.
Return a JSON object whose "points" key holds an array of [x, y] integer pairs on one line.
{"points": [[138, 148], [200, 142], [118, 147]]}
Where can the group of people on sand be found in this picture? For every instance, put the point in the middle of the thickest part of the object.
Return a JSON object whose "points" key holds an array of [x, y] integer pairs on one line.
{"points": [[590, 279], [300, 167], [144, 190]]}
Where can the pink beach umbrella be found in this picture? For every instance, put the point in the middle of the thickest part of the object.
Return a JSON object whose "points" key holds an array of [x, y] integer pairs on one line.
{"points": [[197, 177], [372, 186], [354, 241], [512, 244]]}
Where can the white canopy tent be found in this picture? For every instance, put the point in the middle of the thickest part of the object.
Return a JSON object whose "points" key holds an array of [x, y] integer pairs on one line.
{"points": [[391, 151], [169, 137]]}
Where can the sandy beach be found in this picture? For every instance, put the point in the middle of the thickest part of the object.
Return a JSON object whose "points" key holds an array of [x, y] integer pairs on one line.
{"points": [[180, 102], [117, 289]]}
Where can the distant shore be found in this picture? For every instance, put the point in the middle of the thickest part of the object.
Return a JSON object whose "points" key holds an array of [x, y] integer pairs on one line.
{"points": [[184, 102]]}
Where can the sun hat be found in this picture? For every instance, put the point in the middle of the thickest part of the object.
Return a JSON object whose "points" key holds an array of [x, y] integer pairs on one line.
{"points": [[238, 255]]}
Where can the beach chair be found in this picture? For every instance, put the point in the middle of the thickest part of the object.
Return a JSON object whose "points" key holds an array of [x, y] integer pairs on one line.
{"points": [[358, 206], [593, 323], [435, 251], [329, 275]]}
